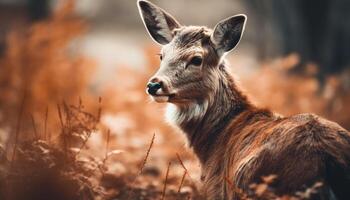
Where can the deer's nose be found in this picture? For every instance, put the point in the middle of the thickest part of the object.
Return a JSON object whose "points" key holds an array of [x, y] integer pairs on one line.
{"points": [[153, 87]]}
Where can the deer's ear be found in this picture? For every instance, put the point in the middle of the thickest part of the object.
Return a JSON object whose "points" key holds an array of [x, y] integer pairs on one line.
{"points": [[228, 32], [159, 24]]}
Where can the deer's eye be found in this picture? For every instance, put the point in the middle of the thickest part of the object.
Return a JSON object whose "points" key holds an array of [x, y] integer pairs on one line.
{"points": [[196, 61]]}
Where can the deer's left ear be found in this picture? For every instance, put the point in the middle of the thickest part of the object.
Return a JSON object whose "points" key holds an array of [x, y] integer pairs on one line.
{"points": [[159, 24], [228, 32]]}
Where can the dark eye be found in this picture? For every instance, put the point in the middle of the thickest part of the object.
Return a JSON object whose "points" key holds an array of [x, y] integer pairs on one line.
{"points": [[196, 61]]}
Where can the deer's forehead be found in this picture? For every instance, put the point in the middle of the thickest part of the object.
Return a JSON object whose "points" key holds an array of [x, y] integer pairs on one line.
{"points": [[172, 50], [187, 42]]}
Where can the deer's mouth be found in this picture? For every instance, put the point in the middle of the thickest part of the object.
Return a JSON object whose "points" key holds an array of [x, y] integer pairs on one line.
{"points": [[163, 98]]}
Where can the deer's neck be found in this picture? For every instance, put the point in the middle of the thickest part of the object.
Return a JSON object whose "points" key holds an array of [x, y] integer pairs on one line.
{"points": [[204, 121]]}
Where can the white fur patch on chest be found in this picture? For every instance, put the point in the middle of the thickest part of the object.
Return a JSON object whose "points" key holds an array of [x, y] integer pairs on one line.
{"points": [[171, 113], [178, 116]]}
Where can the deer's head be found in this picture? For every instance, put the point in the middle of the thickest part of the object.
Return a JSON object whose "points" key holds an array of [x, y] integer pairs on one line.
{"points": [[190, 55]]}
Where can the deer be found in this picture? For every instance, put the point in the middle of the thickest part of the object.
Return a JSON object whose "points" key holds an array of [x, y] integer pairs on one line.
{"points": [[235, 140]]}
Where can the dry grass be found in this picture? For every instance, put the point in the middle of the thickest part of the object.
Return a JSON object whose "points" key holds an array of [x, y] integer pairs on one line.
{"points": [[39, 169]]}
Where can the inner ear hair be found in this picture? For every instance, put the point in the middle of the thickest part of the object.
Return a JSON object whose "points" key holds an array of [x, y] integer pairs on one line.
{"points": [[228, 32]]}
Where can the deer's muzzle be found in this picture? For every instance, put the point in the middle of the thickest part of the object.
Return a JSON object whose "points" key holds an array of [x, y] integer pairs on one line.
{"points": [[158, 90]]}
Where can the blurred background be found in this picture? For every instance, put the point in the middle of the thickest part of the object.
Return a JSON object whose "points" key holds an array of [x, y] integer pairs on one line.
{"points": [[294, 57]]}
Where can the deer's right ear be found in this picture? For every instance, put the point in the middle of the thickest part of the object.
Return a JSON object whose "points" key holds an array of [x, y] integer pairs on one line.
{"points": [[228, 32], [159, 24]]}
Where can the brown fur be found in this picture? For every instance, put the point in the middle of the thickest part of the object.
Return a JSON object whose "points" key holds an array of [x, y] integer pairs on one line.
{"points": [[248, 143]]}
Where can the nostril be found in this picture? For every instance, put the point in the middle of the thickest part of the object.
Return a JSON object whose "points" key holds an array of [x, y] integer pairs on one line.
{"points": [[156, 85], [153, 87]]}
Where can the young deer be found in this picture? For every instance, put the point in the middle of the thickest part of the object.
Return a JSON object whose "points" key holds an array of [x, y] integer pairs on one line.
{"points": [[232, 138]]}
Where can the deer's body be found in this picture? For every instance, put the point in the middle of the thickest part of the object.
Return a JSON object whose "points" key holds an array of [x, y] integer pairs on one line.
{"points": [[234, 140]]}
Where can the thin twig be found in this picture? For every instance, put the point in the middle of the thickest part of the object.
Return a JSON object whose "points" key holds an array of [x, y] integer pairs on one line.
{"points": [[86, 140], [142, 165], [60, 115], [182, 181], [68, 124], [83, 144], [180, 160], [184, 175], [63, 129], [99, 109], [165, 181], [18, 127], [36, 135], [183, 165], [147, 154]]}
